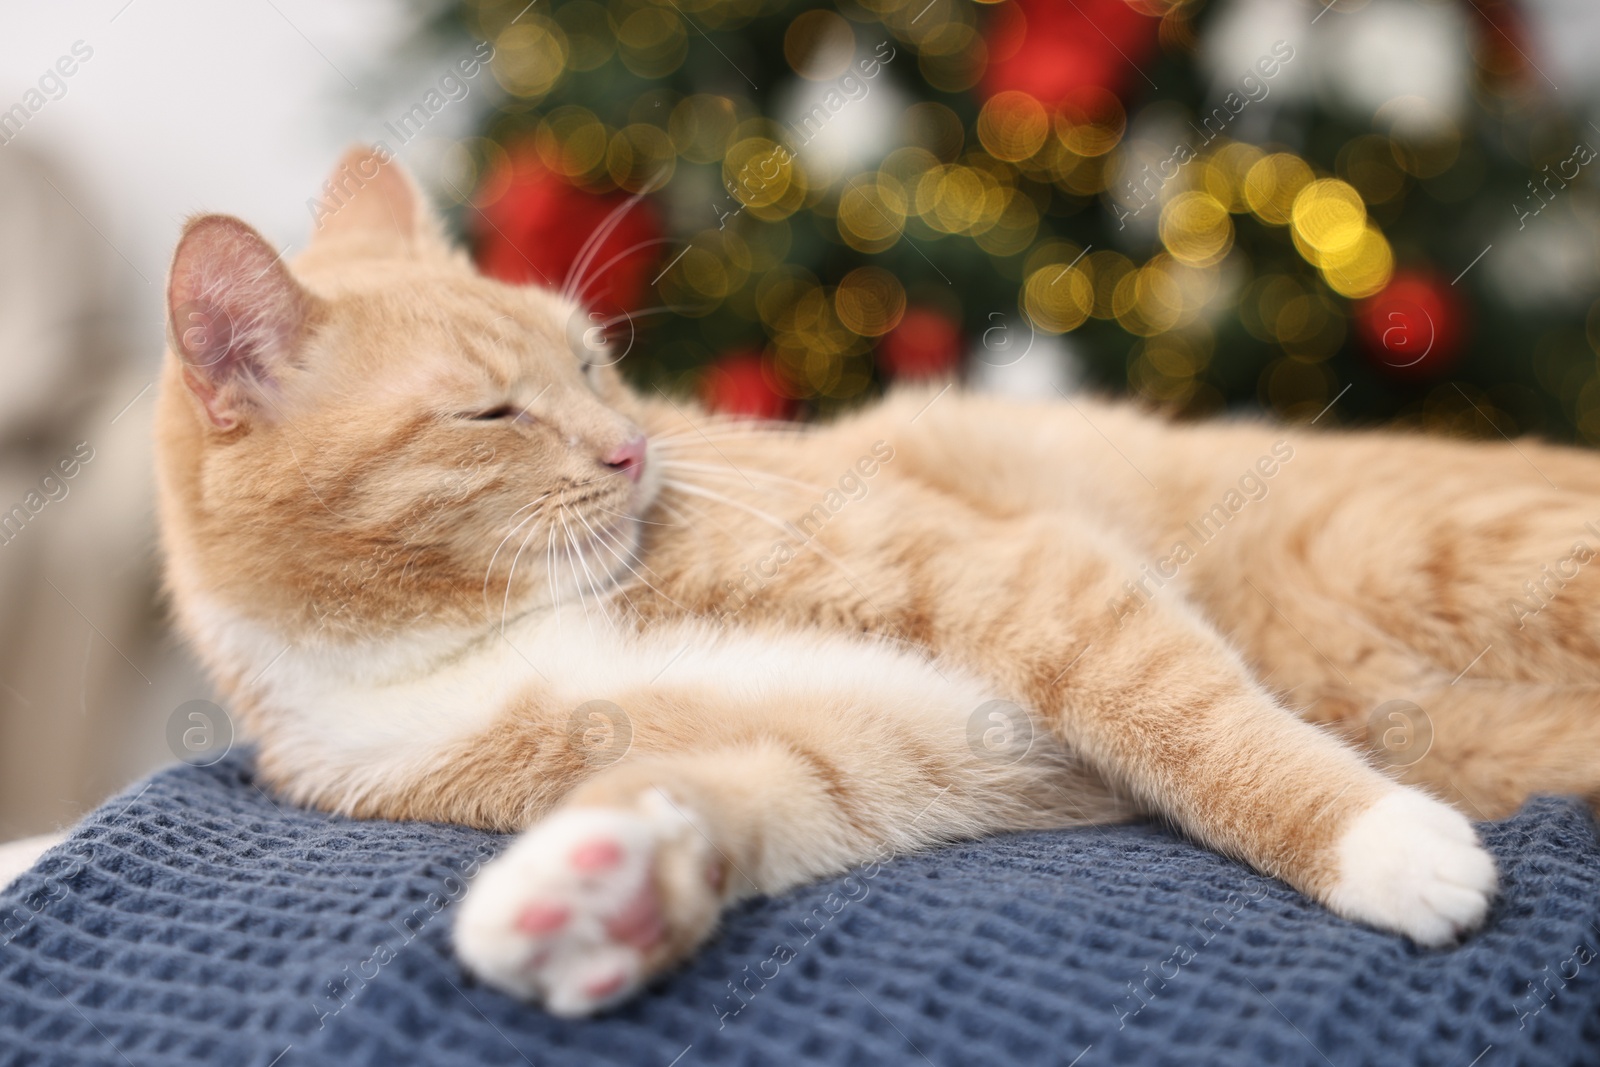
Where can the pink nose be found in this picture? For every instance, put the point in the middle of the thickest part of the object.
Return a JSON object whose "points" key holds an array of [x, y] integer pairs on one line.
{"points": [[628, 458]]}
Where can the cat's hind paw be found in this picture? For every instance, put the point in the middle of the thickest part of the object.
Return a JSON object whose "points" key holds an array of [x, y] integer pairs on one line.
{"points": [[1413, 865], [590, 904]]}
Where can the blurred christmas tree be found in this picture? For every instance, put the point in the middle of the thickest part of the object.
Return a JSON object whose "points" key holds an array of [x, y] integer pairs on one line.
{"points": [[1369, 210]]}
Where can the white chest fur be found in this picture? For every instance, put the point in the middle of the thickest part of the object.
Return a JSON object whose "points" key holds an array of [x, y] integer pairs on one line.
{"points": [[371, 716]]}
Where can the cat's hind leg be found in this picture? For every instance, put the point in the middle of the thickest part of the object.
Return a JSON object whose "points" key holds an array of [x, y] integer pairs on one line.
{"points": [[1483, 746]]}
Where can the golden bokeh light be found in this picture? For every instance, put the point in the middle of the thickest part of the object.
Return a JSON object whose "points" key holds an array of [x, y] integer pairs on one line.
{"points": [[1196, 228], [872, 212], [640, 156], [1162, 368], [1271, 185], [1082, 175], [906, 165], [1361, 270], [1013, 125], [696, 284], [700, 126], [1328, 215], [1223, 172], [653, 42], [779, 290], [1014, 229], [1149, 300], [572, 141], [870, 301], [530, 57], [819, 45], [764, 176], [591, 35], [958, 70], [1105, 270], [959, 199], [1058, 297], [1090, 122]]}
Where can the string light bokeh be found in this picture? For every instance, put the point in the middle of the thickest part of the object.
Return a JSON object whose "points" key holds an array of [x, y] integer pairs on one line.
{"points": [[839, 197]]}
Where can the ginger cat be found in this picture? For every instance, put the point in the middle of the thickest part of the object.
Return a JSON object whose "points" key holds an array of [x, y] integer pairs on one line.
{"points": [[428, 547]]}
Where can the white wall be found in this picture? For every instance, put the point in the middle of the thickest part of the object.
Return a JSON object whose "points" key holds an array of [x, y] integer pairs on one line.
{"points": [[184, 106]]}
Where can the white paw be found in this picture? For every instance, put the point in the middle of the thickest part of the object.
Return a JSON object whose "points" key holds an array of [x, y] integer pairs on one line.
{"points": [[1413, 865], [590, 904]]}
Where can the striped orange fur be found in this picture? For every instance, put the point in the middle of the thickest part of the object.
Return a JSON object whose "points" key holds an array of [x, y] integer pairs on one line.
{"points": [[394, 539]]}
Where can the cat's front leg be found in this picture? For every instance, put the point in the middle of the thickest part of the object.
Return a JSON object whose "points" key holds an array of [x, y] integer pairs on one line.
{"points": [[788, 759], [592, 902], [1151, 693], [1167, 709], [1412, 864]]}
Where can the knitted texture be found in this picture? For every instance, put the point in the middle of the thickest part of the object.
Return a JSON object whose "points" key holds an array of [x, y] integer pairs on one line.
{"points": [[194, 920]]}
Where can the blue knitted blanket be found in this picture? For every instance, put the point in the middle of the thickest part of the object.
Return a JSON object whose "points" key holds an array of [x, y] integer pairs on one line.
{"points": [[195, 920]]}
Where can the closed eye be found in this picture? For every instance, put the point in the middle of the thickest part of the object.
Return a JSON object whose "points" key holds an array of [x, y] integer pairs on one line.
{"points": [[504, 411]]}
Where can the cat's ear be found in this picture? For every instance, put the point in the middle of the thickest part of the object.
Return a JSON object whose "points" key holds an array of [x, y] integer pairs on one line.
{"points": [[372, 202], [236, 318]]}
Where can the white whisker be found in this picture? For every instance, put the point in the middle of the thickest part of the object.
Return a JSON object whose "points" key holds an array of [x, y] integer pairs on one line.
{"points": [[550, 569], [711, 468], [635, 518], [577, 586], [489, 571], [575, 276], [505, 605], [587, 575], [732, 428], [621, 558], [599, 272], [772, 520]]}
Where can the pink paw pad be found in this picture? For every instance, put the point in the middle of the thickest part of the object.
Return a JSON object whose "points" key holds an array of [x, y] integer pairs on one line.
{"points": [[542, 918], [604, 987], [594, 857], [639, 923]]}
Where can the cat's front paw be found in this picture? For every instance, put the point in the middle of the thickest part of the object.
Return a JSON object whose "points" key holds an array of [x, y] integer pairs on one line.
{"points": [[1413, 865], [590, 904]]}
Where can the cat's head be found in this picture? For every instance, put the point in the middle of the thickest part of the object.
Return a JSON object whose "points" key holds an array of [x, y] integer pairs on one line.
{"points": [[375, 436]]}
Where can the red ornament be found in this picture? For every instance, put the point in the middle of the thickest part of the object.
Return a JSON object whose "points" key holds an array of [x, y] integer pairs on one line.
{"points": [[1055, 49], [1505, 39], [741, 383], [1414, 328], [926, 344], [532, 224]]}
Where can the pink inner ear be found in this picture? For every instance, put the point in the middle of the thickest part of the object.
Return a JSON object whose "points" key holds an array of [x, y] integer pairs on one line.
{"points": [[236, 316], [204, 336]]}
